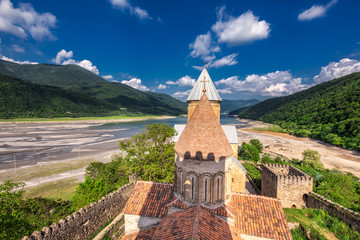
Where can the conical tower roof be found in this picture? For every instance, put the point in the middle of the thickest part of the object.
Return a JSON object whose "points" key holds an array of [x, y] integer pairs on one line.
{"points": [[203, 137], [197, 90]]}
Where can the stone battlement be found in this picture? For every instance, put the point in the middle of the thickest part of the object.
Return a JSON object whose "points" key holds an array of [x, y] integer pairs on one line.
{"points": [[285, 182], [84, 222], [286, 173]]}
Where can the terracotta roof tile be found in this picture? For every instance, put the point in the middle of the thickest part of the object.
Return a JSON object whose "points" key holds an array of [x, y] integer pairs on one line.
{"points": [[220, 211], [203, 137], [141, 235], [259, 216], [178, 204], [149, 199], [194, 223]]}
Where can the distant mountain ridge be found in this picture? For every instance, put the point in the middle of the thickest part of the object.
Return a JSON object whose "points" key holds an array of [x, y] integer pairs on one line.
{"points": [[329, 111], [81, 80], [231, 105], [21, 99]]}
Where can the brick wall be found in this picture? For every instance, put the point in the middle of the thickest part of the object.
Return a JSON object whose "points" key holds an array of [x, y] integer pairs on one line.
{"points": [[352, 218], [83, 223]]}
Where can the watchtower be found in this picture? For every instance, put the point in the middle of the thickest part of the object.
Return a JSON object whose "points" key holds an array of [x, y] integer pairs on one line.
{"points": [[286, 183]]}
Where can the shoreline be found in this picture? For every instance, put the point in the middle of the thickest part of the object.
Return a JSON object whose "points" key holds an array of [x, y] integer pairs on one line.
{"points": [[81, 120]]}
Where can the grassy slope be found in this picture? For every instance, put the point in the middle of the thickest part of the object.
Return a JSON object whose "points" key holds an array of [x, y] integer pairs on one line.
{"points": [[78, 79], [20, 98]]}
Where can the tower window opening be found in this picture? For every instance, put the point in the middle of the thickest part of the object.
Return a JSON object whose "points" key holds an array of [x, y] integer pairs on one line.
{"points": [[192, 187], [182, 183], [205, 190], [218, 189]]}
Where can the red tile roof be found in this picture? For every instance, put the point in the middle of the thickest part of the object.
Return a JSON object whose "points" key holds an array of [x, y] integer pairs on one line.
{"points": [[203, 136], [141, 235], [178, 204], [149, 199], [259, 216], [194, 223]]}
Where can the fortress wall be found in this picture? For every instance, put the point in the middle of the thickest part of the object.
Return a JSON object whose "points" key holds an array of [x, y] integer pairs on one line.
{"points": [[268, 181], [85, 222], [350, 217], [291, 190]]}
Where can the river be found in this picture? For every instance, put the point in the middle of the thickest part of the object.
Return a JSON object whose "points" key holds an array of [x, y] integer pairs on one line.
{"points": [[23, 144]]}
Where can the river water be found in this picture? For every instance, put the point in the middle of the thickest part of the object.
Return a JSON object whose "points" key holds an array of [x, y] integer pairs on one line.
{"points": [[27, 144]]}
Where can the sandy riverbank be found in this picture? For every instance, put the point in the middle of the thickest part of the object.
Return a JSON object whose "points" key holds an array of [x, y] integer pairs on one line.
{"points": [[292, 147]]}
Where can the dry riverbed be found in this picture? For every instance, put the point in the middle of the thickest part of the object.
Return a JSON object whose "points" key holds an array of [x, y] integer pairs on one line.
{"points": [[289, 146]]}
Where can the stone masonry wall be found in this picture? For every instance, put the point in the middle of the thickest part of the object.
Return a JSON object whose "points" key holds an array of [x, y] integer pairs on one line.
{"points": [[83, 223], [287, 183], [352, 218]]}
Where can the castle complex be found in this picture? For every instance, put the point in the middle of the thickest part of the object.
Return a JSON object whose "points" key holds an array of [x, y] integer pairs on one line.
{"points": [[208, 199]]}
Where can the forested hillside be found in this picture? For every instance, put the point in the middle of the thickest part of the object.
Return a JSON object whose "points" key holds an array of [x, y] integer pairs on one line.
{"points": [[19, 98], [231, 105], [329, 111], [79, 79]]}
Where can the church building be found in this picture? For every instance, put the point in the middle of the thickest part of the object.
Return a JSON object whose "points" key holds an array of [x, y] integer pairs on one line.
{"points": [[208, 199]]}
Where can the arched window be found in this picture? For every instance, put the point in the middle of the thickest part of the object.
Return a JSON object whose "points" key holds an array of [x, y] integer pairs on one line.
{"points": [[218, 184], [218, 189], [182, 183], [206, 193], [192, 187]]}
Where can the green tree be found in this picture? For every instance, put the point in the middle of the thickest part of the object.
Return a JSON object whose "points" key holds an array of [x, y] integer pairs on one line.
{"points": [[312, 158], [257, 144], [249, 152], [150, 154]]}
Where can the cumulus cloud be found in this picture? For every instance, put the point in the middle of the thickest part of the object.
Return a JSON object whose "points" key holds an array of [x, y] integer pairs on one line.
{"points": [[204, 47], [64, 58], [316, 11], [243, 29], [24, 21], [134, 10], [337, 69], [60, 56], [108, 77], [183, 82], [225, 91], [225, 61], [180, 95], [162, 86], [15, 61], [135, 83], [277, 83]]}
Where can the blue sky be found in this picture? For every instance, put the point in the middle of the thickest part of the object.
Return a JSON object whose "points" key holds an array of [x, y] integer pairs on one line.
{"points": [[253, 49]]}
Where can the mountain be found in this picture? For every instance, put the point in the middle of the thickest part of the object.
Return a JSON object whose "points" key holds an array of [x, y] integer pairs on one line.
{"points": [[81, 80], [238, 111], [231, 105], [329, 111], [20, 98]]}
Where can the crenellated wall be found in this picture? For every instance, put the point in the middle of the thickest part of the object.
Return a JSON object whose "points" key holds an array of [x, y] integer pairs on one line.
{"points": [[352, 218], [287, 183], [83, 223]]}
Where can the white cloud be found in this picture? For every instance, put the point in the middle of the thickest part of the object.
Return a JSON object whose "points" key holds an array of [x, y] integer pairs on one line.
{"points": [[337, 69], [18, 48], [204, 47], [19, 62], [225, 91], [162, 86], [180, 95], [240, 30], [183, 82], [277, 83], [24, 21], [134, 10], [135, 83], [108, 77], [63, 54], [316, 11], [225, 61]]}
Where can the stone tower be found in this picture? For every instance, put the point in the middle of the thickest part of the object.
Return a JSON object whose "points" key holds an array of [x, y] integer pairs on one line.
{"points": [[204, 82], [286, 183], [205, 169]]}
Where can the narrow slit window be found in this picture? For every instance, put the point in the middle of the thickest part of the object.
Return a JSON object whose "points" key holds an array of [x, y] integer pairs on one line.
{"points": [[205, 190], [218, 189], [192, 187]]}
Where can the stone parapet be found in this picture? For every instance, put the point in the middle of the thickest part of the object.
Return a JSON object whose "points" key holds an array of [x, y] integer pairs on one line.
{"points": [[86, 221], [352, 218]]}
